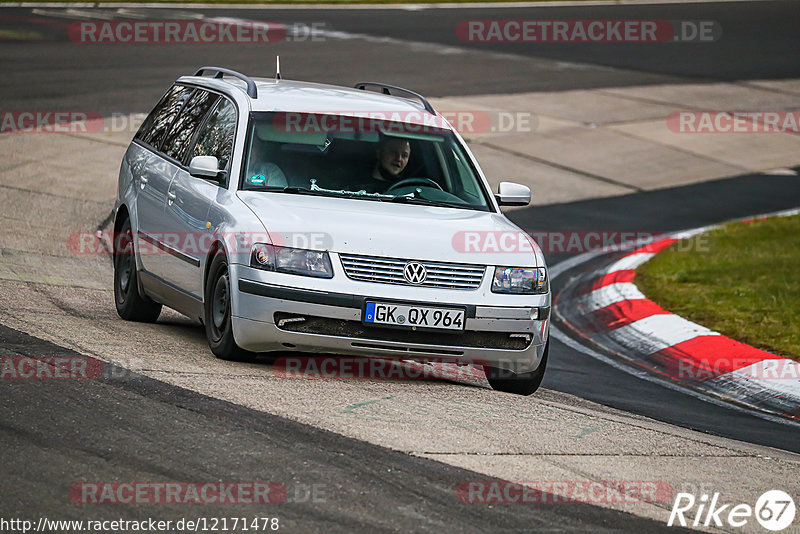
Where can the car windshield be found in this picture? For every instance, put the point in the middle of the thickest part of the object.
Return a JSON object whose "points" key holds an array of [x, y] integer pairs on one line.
{"points": [[360, 158]]}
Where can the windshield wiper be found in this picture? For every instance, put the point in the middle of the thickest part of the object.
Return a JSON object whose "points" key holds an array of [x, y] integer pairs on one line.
{"points": [[410, 198], [296, 190], [322, 192], [362, 193], [413, 198], [303, 191]]}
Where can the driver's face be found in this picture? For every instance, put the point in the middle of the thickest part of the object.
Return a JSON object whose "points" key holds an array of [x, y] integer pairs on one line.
{"points": [[393, 156]]}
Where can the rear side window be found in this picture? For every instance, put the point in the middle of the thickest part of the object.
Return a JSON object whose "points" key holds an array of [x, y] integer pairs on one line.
{"points": [[176, 143], [156, 125], [216, 137]]}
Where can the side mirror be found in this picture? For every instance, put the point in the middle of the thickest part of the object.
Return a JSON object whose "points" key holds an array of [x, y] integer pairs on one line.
{"points": [[205, 167], [511, 194]]}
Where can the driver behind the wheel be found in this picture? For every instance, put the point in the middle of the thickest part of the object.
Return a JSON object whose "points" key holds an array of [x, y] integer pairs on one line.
{"points": [[392, 155], [391, 159]]}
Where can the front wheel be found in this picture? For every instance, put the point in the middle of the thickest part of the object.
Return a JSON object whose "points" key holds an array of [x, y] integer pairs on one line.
{"points": [[217, 314], [131, 306], [520, 384]]}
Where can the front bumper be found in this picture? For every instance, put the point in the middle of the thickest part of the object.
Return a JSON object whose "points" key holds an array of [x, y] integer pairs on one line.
{"points": [[502, 336]]}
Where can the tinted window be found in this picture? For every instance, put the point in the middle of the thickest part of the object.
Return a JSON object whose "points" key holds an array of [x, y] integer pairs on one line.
{"points": [[177, 141], [216, 138], [147, 124], [341, 156], [156, 125]]}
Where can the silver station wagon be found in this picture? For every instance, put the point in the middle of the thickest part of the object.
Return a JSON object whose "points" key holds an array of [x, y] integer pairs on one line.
{"points": [[294, 216]]}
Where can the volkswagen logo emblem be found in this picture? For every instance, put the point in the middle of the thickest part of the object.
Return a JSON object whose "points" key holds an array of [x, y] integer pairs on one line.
{"points": [[414, 272]]}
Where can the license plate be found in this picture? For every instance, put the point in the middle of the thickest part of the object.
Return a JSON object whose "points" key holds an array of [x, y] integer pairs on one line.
{"points": [[414, 316]]}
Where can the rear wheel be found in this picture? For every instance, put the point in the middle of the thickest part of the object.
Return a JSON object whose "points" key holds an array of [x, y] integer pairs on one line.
{"points": [[520, 384], [217, 314], [131, 306]]}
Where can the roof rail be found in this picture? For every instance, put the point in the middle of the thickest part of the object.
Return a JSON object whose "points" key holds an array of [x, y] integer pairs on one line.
{"points": [[387, 90], [252, 91]]}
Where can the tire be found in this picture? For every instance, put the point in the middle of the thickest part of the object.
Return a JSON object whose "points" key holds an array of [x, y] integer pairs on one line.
{"points": [[217, 313], [131, 305], [519, 384]]}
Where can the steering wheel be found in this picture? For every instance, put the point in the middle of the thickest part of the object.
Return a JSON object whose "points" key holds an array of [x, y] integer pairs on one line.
{"points": [[415, 181]]}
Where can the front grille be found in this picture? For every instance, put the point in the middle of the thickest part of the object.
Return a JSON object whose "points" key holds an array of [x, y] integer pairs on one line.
{"points": [[390, 271], [356, 329]]}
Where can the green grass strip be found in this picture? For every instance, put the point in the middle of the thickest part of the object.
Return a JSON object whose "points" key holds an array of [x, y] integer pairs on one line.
{"points": [[742, 280]]}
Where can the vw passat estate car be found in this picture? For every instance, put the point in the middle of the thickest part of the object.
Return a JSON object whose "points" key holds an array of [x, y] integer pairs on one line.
{"points": [[296, 216]]}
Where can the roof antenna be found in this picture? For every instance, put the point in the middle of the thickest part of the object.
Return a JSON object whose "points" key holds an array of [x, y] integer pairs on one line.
{"points": [[277, 67]]}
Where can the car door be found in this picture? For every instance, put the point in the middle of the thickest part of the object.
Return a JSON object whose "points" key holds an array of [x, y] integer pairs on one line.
{"points": [[189, 197], [153, 173]]}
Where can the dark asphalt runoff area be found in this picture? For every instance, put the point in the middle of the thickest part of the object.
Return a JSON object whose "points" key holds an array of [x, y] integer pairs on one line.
{"points": [[666, 210], [125, 426], [759, 40], [128, 428]]}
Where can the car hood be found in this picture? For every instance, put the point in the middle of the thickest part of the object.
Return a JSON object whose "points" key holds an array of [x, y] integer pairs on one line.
{"points": [[374, 228]]}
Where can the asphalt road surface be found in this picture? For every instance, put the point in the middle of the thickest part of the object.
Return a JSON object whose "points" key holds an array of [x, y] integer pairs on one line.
{"points": [[415, 49], [666, 210], [128, 427]]}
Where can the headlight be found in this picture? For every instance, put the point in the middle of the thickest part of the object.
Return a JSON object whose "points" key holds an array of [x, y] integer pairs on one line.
{"points": [[524, 280], [291, 260]]}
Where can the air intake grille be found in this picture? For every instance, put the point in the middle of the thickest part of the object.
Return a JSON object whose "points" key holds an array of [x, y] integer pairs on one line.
{"points": [[390, 271]]}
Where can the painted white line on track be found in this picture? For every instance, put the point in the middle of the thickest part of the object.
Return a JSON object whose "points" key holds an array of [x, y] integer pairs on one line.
{"points": [[658, 332], [740, 386], [777, 375], [566, 265], [630, 262], [570, 263], [644, 375], [686, 234], [608, 295]]}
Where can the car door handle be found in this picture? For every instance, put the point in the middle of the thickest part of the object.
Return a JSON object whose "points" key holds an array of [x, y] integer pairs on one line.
{"points": [[171, 197]]}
